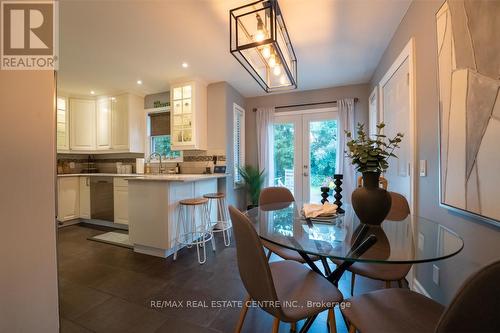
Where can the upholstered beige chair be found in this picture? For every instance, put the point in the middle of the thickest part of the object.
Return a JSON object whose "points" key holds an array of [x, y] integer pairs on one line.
{"points": [[282, 282], [384, 272], [274, 195], [473, 309]]}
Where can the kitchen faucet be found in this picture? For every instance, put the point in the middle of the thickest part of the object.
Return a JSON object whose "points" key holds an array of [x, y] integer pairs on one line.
{"points": [[161, 168]]}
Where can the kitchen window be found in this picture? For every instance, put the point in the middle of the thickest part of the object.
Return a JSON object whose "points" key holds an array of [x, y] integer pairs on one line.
{"points": [[159, 133], [239, 143]]}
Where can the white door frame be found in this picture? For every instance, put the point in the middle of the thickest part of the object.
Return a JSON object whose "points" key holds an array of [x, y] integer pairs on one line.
{"points": [[406, 53]]}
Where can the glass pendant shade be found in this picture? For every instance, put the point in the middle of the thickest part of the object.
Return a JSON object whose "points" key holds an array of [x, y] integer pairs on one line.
{"points": [[259, 40]]}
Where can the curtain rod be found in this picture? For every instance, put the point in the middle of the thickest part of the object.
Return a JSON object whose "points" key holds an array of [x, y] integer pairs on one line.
{"points": [[305, 104]]}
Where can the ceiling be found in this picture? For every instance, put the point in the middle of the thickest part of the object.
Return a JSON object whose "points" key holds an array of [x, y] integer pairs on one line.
{"points": [[106, 46]]}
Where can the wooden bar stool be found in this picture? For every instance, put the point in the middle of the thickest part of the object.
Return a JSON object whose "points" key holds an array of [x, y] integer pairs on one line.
{"points": [[224, 224], [193, 233]]}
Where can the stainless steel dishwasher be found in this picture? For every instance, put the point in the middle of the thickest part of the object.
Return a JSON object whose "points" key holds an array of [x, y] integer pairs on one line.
{"points": [[101, 198]]}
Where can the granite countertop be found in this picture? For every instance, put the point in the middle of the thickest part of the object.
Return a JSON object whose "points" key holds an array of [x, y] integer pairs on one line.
{"points": [[99, 175], [177, 178]]}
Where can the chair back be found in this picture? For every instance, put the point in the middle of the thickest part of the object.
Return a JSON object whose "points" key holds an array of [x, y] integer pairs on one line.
{"points": [[475, 307], [383, 182], [275, 194], [252, 262], [400, 209]]}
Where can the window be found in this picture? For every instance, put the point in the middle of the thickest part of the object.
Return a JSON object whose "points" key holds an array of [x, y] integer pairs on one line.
{"points": [[239, 142], [159, 131]]}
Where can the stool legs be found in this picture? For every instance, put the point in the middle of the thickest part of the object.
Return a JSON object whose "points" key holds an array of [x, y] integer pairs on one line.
{"points": [[223, 223]]}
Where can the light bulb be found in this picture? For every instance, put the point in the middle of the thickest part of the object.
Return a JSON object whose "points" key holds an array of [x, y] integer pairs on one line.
{"points": [[282, 80], [272, 61], [259, 36], [266, 52], [277, 70]]}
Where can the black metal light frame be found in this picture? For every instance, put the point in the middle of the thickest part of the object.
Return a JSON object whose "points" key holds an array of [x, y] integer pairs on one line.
{"points": [[276, 22]]}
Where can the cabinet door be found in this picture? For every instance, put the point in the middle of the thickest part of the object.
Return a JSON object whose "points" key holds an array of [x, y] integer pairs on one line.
{"points": [[62, 124], [121, 204], [119, 120], [82, 124], [103, 124], [85, 197], [68, 198]]}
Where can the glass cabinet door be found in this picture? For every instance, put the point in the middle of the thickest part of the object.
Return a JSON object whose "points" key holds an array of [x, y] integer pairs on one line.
{"points": [[182, 131]]}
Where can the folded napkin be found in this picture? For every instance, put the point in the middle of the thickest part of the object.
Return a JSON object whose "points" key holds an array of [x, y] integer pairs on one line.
{"points": [[318, 210]]}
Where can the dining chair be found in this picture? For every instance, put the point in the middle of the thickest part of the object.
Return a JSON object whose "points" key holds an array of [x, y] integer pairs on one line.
{"points": [[473, 309], [383, 182], [275, 285], [275, 195], [400, 209]]}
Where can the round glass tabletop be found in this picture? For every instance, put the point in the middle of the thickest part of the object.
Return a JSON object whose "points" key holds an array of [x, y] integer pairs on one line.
{"points": [[412, 239]]}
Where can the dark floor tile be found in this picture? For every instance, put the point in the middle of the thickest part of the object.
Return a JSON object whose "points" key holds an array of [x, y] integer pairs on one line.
{"points": [[67, 326], [175, 325], [116, 315], [75, 299]]}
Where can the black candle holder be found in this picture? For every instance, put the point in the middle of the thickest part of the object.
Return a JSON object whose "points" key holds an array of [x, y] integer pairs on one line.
{"points": [[324, 194], [338, 190]]}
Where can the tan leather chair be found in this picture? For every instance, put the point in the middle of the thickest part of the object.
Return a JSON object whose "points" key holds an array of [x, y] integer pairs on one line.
{"points": [[273, 195], [384, 272], [473, 309], [280, 282]]}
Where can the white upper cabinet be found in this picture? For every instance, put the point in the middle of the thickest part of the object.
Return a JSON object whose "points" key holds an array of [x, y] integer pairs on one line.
{"points": [[103, 123], [62, 124], [188, 116], [128, 123], [82, 124]]}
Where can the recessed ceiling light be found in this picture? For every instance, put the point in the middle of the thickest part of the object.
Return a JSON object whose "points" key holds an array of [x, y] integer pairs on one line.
{"points": [[92, 92], [139, 82], [185, 65]]}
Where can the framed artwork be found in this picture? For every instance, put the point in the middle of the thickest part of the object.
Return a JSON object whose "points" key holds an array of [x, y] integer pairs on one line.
{"points": [[468, 46]]}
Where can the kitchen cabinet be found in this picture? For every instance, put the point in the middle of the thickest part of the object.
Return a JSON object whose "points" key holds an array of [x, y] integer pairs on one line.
{"points": [[62, 125], [128, 121], [84, 185], [103, 123], [82, 124], [188, 117], [68, 198], [120, 197]]}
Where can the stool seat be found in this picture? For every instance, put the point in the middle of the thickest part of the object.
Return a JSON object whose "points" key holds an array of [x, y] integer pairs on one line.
{"points": [[217, 195], [193, 202]]}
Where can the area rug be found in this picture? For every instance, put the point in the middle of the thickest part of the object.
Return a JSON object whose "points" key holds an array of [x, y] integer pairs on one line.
{"points": [[114, 238]]}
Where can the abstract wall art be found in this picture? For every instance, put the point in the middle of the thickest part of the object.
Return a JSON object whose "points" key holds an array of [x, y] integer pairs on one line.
{"points": [[468, 45]]}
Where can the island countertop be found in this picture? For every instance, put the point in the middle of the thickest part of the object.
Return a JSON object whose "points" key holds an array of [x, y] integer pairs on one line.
{"points": [[178, 177]]}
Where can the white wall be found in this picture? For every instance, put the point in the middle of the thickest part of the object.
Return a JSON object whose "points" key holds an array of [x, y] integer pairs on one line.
{"points": [[28, 276]]}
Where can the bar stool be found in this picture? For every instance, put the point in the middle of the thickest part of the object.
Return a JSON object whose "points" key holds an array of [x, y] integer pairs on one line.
{"points": [[193, 234], [224, 224]]}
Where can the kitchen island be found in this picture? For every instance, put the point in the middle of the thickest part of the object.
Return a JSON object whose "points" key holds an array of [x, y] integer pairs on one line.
{"points": [[153, 203]]}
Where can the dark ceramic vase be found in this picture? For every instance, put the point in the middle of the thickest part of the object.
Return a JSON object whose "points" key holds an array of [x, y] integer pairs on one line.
{"points": [[370, 202]]}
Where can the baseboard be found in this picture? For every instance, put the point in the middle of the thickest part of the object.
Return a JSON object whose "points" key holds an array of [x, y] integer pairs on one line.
{"points": [[419, 288]]}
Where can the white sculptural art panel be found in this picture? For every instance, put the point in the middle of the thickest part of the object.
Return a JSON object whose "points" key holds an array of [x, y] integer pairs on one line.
{"points": [[468, 44]]}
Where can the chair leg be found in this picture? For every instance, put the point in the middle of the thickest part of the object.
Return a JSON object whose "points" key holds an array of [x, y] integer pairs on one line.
{"points": [[353, 280], [331, 321], [400, 283], [352, 328], [387, 284], [293, 327], [276, 325], [243, 313]]}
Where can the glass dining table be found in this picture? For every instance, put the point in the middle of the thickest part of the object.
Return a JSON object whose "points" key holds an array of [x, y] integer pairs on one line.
{"points": [[345, 240]]}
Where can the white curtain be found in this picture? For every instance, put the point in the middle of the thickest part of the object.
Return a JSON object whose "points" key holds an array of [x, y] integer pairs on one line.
{"points": [[265, 143], [344, 166]]}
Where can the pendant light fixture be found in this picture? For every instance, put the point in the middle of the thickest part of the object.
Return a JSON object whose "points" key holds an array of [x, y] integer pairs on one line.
{"points": [[260, 42]]}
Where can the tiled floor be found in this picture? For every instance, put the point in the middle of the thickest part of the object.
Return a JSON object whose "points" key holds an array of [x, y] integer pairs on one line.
{"points": [[106, 288]]}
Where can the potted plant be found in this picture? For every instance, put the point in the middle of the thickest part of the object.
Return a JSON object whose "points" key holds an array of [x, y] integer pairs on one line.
{"points": [[254, 179], [370, 202]]}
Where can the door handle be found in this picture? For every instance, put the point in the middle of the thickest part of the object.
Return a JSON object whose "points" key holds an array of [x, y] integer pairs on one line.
{"points": [[306, 174]]}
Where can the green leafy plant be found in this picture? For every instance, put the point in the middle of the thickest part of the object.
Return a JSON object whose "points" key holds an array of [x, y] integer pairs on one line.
{"points": [[254, 179], [371, 154]]}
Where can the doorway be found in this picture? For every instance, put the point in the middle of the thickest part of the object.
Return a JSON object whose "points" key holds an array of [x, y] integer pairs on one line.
{"points": [[305, 151]]}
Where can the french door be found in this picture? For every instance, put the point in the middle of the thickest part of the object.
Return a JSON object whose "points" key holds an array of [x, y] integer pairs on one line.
{"points": [[305, 151]]}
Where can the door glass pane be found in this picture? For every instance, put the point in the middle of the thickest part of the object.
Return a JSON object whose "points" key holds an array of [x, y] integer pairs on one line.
{"points": [[284, 155], [322, 156], [177, 93]]}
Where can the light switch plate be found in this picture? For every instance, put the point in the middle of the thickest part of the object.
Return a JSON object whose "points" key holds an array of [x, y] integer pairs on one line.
{"points": [[435, 274], [421, 240], [423, 168]]}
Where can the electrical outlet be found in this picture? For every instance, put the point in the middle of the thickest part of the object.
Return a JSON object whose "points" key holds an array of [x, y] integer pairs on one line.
{"points": [[72, 165], [421, 240], [423, 168], [435, 274]]}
